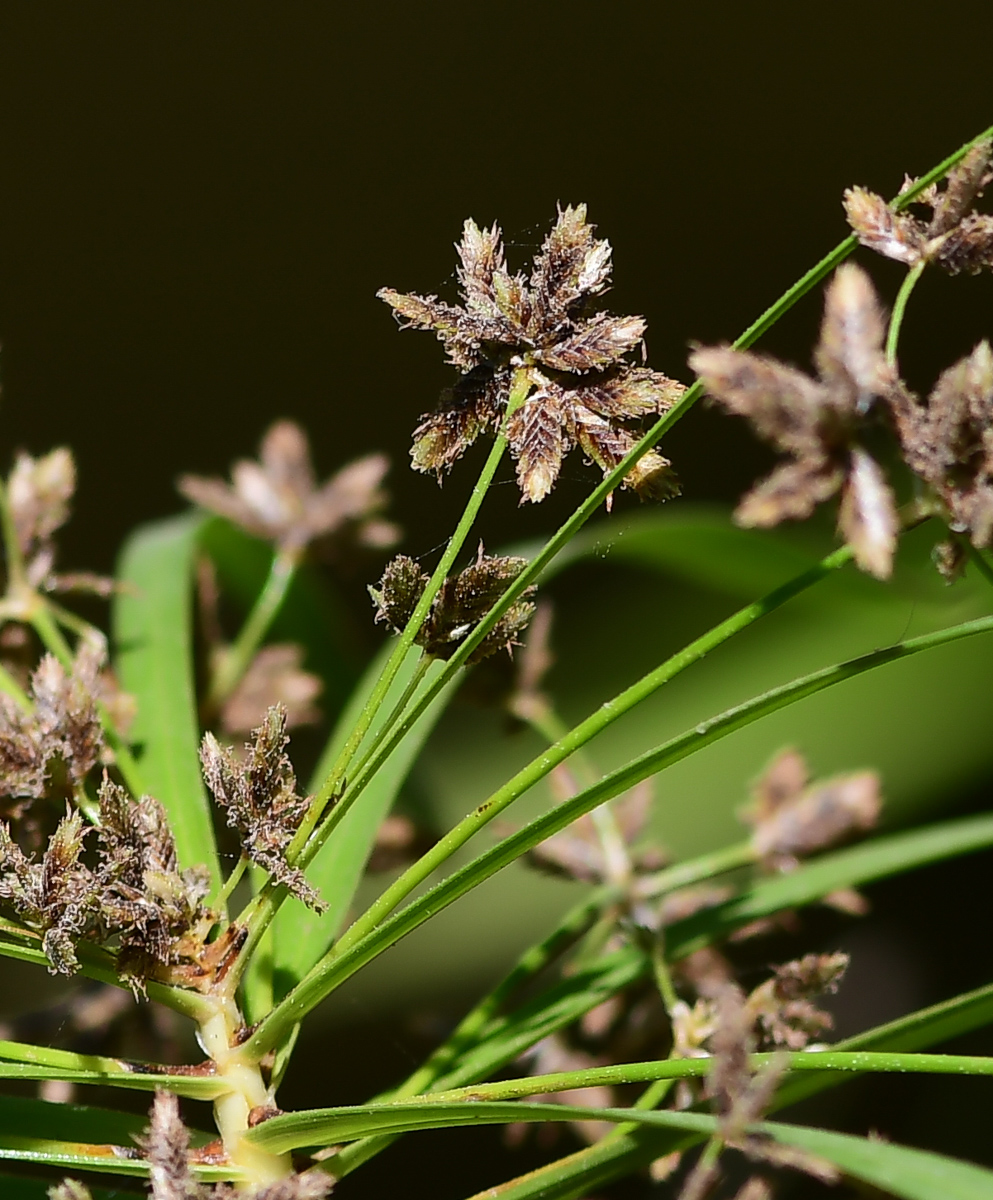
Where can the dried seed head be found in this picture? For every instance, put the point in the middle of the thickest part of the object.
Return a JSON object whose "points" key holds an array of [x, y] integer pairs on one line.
{"points": [[156, 911], [949, 444], [544, 331], [166, 1147], [261, 800], [817, 422], [62, 728], [461, 603], [783, 1005], [790, 819], [278, 498], [955, 239], [59, 895], [39, 491]]}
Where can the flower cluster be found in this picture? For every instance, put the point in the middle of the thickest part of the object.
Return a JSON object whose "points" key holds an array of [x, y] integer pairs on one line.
{"points": [[279, 499], [823, 423], [956, 238], [544, 335], [57, 738], [820, 423], [461, 603], [260, 798], [135, 891]]}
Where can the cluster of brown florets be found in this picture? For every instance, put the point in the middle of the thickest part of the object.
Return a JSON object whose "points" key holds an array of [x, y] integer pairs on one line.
{"points": [[545, 338], [824, 423], [461, 603]]}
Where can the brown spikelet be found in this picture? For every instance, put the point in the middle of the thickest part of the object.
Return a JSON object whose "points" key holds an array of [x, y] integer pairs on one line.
{"points": [[955, 238], [278, 498], [543, 334], [818, 422]]}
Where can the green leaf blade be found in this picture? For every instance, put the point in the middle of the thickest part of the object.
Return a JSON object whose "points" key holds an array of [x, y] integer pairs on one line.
{"points": [[153, 630]]}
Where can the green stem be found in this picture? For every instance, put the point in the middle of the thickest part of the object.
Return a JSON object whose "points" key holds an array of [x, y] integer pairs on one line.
{"points": [[238, 657], [613, 479], [345, 959], [406, 640], [663, 978], [423, 663], [261, 911], [16, 578], [613, 1157], [899, 308], [232, 881], [856, 1061], [599, 720], [544, 720]]}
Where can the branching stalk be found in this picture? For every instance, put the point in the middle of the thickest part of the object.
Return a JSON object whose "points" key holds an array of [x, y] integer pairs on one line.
{"points": [[351, 953], [237, 658], [900, 308]]}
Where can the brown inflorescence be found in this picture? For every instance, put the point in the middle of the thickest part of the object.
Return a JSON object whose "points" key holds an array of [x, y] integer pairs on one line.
{"points": [[548, 331]]}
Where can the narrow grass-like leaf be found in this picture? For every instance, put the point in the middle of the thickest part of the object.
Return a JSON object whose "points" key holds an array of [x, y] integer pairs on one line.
{"points": [[855, 866], [628, 1148], [904, 1172], [77, 1137], [301, 935], [334, 969], [153, 630], [20, 1060]]}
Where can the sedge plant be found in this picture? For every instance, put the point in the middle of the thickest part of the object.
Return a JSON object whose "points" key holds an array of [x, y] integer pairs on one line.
{"points": [[128, 764]]}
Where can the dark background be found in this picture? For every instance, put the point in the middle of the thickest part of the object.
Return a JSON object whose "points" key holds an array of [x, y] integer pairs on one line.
{"points": [[199, 201]]}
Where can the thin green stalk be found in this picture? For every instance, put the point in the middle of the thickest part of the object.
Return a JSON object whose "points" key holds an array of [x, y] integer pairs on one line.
{"points": [[599, 720], [16, 580], [423, 663], [613, 479], [232, 881], [855, 1061], [261, 910], [544, 720], [612, 1157], [697, 870], [343, 961], [663, 978], [899, 308], [406, 640], [237, 657]]}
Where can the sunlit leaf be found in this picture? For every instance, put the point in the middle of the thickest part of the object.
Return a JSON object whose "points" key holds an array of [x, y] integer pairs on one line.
{"points": [[153, 629]]}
